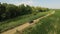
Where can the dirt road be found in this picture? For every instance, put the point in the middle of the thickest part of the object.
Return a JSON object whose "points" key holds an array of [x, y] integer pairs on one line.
{"points": [[21, 27]]}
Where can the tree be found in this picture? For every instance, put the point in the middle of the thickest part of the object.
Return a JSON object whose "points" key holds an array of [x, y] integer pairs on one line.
{"points": [[8, 11], [2, 11], [28, 9], [11, 11]]}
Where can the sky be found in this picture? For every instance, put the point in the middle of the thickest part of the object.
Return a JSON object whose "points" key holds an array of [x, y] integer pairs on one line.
{"points": [[55, 4]]}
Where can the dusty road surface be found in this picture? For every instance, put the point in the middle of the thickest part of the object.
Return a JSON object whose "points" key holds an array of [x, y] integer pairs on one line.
{"points": [[21, 27]]}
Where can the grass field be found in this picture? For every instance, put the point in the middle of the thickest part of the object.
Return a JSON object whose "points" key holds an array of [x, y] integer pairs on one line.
{"points": [[49, 25], [9, 24]]}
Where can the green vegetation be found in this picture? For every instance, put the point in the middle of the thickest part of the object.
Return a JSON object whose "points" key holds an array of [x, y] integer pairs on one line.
{"points": [[9, 11], [48, 25], [6, 25], [12, 15]]}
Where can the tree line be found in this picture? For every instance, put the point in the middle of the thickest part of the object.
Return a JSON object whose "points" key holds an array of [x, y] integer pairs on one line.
{"points": [[8, 11]]}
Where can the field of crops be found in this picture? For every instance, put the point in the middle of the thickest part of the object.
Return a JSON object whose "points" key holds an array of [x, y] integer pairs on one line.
{"points": [[9, 24], [48, 25]]}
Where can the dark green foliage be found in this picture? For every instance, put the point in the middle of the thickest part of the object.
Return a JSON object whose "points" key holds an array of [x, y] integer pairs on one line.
{"points": [[9, 11]]}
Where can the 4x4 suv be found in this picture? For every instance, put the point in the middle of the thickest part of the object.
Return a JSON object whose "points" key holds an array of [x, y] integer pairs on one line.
{"points": [[31, 21]]}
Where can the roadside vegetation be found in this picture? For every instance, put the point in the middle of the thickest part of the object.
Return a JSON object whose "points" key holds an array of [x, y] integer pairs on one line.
{"points": [[12, 16], [19, 21], [48, 25]]}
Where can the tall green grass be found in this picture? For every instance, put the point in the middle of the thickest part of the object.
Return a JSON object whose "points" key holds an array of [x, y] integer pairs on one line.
{"points": [[9, 24], [48, 25]]}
